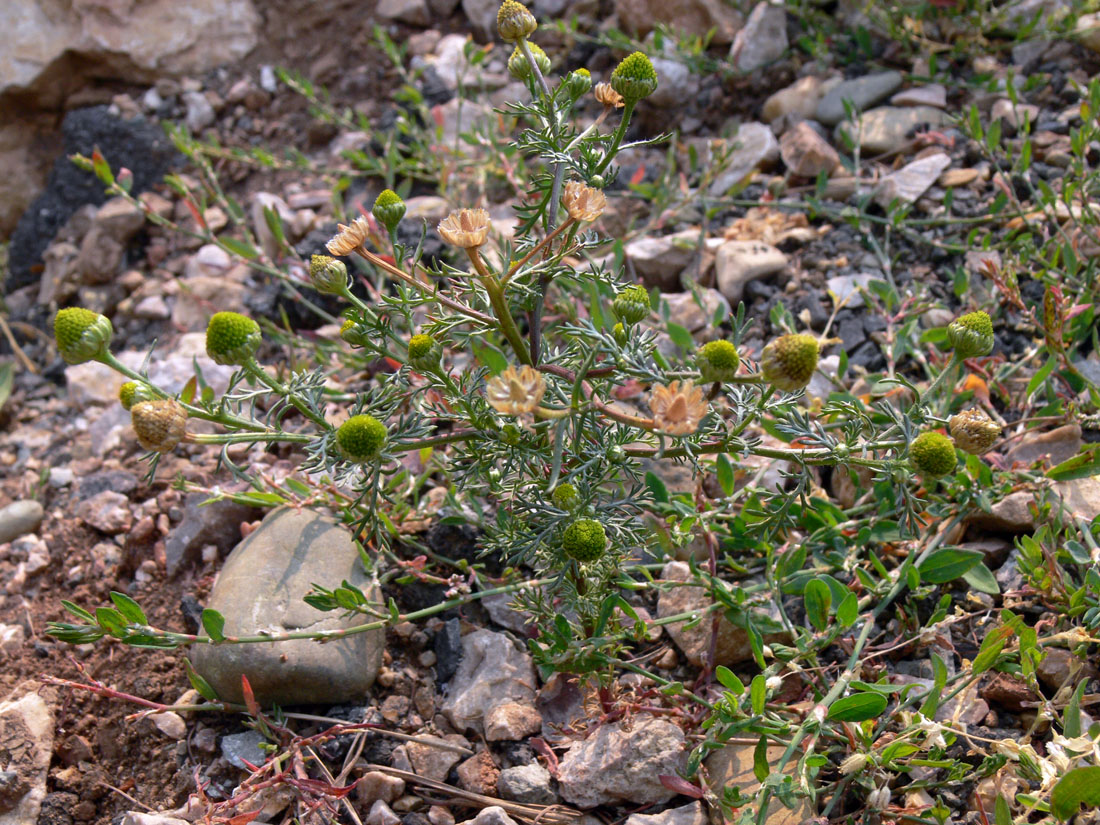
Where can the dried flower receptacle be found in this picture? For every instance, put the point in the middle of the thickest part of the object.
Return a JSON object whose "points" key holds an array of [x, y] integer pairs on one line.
{"points": [[678, 408], [515, 392]]}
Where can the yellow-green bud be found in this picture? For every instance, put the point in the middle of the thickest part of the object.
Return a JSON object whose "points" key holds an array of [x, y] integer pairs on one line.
{"points": [[328, 275], [424, 352], [584, 540], [232, 338], [717, 361], [520, 69], [971, 335], [932, 454], [361, 438], [974, 431], [634, 78], [159, 425], [81, 335], [565, 497], [388, 209], [788, 362], [134, 392], [515, 22], [620, 333], [350, 332], [632, 304], [577, 83]]}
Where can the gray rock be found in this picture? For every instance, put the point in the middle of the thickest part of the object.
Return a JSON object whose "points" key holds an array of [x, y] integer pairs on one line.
{"points": [[617, 764], [494, 670], [217, 523], [934, 94], [527, 783], [200, 113], [661, 260], [696, 314], [493, 815], [20, 518], [434, 762], [691, 814], [887, 128], [1008, 575], [1054, 446], [755, 146], [763, 40], [846, 289], [799, 100], [241, 748], [911, 181], [677, 83], [413, 12], [739, 262], [108, 512], [140, 818], [482, 15], [861, 92], [1014, 115], [1080, 496], [26, 735], [261, 587], [1013, 514]]}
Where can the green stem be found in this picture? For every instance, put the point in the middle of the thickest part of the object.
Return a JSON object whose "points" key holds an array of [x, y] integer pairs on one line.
{"points": [[617, 138], [239, 438], [500, 308], [264, 377]]}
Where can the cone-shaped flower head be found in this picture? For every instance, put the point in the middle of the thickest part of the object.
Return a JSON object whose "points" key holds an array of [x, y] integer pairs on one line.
{"points": [[583, 203], [632, 304], [388, 209], [160, 424], [971, 335], [788, 362], [514, 392], [134, 392], [424, 352], [520, 69], [565, 497], [361, 438], [584, 540], [620, 333], [465, 228], [634, 78], [606, 96], [678, 408], [577, 83], [349, 237], [974, 431], [81, 335], [717, 361], [328, 275], [350, 332], [231, 338], [515, 22], [932, 454]]}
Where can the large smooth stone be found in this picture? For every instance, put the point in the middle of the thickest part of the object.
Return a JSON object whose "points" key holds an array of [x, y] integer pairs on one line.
{"points": [[260, 588]]}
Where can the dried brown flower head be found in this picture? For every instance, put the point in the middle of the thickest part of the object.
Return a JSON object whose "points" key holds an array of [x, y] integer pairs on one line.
{"points": [[608, 97], [465, 228], [583, 203], [678, 408], [514, 392], [974, 431], [349, 237], [160, 424]]}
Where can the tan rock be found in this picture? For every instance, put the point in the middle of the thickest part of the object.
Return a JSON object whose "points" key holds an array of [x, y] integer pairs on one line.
{"points": [[1052, 447], [800, 99], [691, 16], [806, 153], [733, 765]]}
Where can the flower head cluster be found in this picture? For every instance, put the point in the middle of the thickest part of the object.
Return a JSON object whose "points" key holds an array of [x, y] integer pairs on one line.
{"points": [[974, 431], [565, 497], [465, 228], [349, 237], [424, 352], [932, 454], [81, 335], [583, 203], [634, 78], [515, 392], [717, 361], [632, 304], [678, 408], [515, 22], [361, 438], [971, 335], [134, 392], [328, 275], [577, 82], [788, 362], [584, 540], [160, 424], [520, 68], [232, 338], [388, 209]]}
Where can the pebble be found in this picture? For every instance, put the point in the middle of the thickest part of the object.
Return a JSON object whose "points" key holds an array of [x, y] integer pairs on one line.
{"points": [[493, 815], [241, 748], [171, 724], [616, 764], [754, 147], [1080, 496], [862, 92], [434, 762], [677, 83], [846, 289], [210, 261], [12, 637], [934, 94], [733, 766], [691, 814], [376, 785], [1014, 114], [763, 39], [479, 774], [201, 524], [1053, 446], [494, 670], [27, 733], [260, 587], [527, 783], [696, 314], [1012, 515], [806, 153], [512, 721], [20, 518], [739, 262], [200, 113], [141, 818], [108, 512], [381, 814], [661, 260], [799, 100], [268, 81], [911, 181], [887, 128]]}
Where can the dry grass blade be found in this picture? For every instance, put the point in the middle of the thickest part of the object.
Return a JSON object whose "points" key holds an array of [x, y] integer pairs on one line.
{"points": [[541, 814]]}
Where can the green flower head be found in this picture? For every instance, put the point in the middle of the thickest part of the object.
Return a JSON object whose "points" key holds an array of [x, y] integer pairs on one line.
{"points": [[361, 438], [328, 275], [81, 335], [788, 362], [634, 78], [232, 338], [388, 209], [565, 497], [424, 352], [134, 392], [932, 454], [520, 69], [515, 22], [620, 333], [717, 361], [632, 304], [584, 540], [349, 331], [577, 83], [971, 335]]}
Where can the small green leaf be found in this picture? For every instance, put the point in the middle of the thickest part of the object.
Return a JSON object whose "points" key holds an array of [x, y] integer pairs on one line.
{"points": [[728, 679], [818, 599], [128, 608], [7, 375], [848, 611], [982, 579], [656, 487], [760, 766], [1082, 465], [213, 623], [680, 337], [858, 707], [948, 564], [111, 621], [238, 247], [78, 611], [198, 683], [1080, 786], [1002, 814], [724, 468], [758, 693], [1071, 716]]}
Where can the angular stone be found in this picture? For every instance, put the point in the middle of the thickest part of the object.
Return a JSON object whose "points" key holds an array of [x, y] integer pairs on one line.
{"points": [[754, 147], [806, 153], [108, 512], [763, 40], [660, 261], [375, 785], [1081, 496], [911, 181], [695, 17], [434, 762], [493, 670], [861, 92], [20, 518], [1013, 514], [511, 721], [733, 765], [621, 764], [691, 814], [887, 128], [799, 100], [739, 262], [934, 94], [261, 587], [493, 815], [527, 783], [478, 774], [26, 737], [217, 523], [1053, 446], [696, 314], [677, 83]]}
